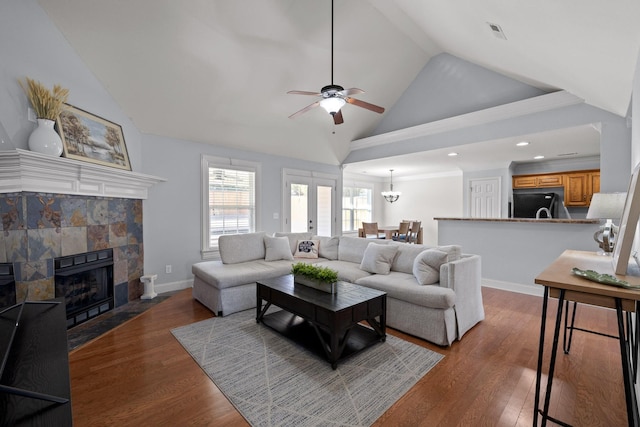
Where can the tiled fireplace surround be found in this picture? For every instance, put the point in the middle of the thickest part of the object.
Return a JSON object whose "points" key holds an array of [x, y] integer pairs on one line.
{"points": [[52, 207], [38, 227]]}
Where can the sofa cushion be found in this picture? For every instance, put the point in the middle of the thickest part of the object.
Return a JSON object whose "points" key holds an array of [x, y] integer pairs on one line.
{"points": [[307, 248], [235, 248], [426, 267], [223, 276], [403, 261], [352, 249], [293, 238], [277, 248], [328, 246], [347, 271], [378, 258], [454, 251], [404, 287]]}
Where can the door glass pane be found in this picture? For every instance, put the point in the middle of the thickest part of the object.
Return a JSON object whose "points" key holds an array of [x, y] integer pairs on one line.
{"points": [[324, 210], [299, 207]]}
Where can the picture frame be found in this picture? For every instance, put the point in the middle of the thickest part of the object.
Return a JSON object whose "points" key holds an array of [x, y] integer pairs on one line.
{"points": [[628, 225], [90, 138]]}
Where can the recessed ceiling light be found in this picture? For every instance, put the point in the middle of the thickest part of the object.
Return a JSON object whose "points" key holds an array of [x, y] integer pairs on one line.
{"points": [[452, 154], [522, 144], [538, 157]]}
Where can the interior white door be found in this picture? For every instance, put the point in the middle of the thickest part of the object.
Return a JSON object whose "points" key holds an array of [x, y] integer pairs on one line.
{"points": [[311, 205], [485, 198]]}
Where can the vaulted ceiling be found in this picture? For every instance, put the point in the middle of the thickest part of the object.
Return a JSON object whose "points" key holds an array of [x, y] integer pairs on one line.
{"points": [[217, 71]]}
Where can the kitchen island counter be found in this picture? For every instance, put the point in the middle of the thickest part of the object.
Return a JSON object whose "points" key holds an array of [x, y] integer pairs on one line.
{"points": [[541, 220], [515, 250]]}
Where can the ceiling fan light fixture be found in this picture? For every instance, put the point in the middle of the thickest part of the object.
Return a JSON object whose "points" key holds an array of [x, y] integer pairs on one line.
{"points": [[332, 105]]}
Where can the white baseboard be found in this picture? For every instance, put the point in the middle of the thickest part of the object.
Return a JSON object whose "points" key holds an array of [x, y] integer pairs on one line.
{"points": [[535, 290], [173, 286]]}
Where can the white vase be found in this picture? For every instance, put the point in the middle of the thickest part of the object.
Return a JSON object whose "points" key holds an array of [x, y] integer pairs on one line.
{"points": [[44, 139]]}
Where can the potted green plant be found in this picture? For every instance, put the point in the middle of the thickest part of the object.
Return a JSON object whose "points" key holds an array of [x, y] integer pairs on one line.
{"points": [[321, 278]]}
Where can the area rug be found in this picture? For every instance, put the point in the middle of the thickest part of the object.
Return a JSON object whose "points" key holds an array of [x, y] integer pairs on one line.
{"points": [[274, 382]]}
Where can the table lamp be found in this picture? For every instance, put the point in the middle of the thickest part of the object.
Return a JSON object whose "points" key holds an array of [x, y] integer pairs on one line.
{"points": [[606, 206]]}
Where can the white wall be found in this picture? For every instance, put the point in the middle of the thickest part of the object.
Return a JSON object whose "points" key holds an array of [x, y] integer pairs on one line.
{"points": [[32, 46], [424, 198], [172, 218]]}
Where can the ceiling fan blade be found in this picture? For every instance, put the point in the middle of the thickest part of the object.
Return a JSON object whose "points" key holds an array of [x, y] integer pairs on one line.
{"points": [[304, 110], [303, 92], [366, 105], [352, 91], [337, 118]]}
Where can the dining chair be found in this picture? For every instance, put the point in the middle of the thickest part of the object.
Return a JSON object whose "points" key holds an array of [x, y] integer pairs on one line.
{"points": [[371, 230], [403, 232], [413, 231]]}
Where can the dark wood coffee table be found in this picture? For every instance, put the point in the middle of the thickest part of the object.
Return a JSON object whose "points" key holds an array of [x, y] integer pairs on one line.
{"points": [[327, 324]]}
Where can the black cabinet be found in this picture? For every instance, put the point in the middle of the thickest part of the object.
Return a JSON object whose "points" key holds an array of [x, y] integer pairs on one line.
{"points": [[34, 383]]}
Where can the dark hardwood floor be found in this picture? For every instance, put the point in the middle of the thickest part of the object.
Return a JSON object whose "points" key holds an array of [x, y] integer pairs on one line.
{"points": [[139, 375]]}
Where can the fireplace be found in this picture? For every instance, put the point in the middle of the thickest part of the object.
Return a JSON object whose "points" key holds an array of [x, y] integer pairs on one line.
{"points": [[54, 207], [85, 281]]}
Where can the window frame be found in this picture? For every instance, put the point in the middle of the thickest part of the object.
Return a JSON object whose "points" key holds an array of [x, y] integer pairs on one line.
{"points": [[209, 250], [359, 185]]}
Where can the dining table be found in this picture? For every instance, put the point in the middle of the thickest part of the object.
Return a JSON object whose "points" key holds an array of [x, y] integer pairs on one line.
{"points": [[389, 231]]}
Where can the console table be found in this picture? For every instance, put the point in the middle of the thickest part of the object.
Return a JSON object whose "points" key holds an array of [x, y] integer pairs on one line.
{"points": [[559, 282]]}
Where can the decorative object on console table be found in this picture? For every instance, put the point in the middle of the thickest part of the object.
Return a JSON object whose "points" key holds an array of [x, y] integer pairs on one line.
{"points": [[92, 139], [320, 278], [606, 206], [47, 105], [628, 224]]}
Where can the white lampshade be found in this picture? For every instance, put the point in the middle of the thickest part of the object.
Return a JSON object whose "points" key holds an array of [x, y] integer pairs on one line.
{"points": [[332, 105], [606, 206]]}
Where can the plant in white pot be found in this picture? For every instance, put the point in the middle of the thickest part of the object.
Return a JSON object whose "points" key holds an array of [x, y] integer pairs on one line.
{"points": [[321, 278], [47, 104]]}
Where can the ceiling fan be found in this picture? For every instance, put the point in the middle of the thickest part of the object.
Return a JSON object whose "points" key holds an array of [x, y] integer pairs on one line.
{"points": [[334, 97]]}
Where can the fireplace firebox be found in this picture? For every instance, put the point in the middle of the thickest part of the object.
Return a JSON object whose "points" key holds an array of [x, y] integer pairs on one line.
{"points": [[86, 283]]}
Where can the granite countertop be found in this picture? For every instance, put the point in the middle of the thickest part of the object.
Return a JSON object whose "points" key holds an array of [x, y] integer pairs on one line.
{"points": [[542, 220]]}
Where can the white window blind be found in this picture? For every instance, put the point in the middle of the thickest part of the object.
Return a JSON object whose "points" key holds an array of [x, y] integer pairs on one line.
{"points": [[231, 202], [229, 199]]}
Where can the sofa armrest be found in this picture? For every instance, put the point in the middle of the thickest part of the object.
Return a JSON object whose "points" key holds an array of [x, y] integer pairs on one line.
{"points": [[464, 276]]}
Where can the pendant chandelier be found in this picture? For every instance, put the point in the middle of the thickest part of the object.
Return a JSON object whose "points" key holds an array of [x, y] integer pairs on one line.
{"points": [[391, 196]]}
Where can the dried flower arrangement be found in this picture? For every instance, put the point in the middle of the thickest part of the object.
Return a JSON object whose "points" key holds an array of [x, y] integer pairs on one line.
{"points": [[47, 104]]}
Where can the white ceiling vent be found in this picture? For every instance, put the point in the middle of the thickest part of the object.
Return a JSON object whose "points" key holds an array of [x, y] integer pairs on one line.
{"points": [[497, 31]]}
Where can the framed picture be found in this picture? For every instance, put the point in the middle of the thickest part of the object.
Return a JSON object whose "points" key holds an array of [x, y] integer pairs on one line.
{"points": [[91, 138], [628, 224]]}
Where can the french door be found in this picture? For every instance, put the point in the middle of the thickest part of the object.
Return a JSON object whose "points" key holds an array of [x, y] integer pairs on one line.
{"points": [[309, 204]]}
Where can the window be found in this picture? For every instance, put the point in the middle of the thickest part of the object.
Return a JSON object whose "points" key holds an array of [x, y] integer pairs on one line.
{"points": [[356, 207], [229, 199]]}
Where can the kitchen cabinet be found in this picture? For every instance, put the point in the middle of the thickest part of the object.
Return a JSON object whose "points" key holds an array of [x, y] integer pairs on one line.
{"points": [[538, 181], [579, 188]]}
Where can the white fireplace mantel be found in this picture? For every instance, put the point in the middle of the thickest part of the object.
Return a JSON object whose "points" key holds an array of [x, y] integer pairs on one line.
{"points": [[23, 170]]}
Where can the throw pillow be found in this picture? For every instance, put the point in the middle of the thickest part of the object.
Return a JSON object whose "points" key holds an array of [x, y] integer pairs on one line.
{"points": [[328, 246], [426, 266], [378, 258], [454, 251], [306, 249], [277, 248]]}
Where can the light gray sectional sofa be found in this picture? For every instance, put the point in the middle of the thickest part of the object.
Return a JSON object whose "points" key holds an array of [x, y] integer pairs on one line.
{"points": [[439, 312]]}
